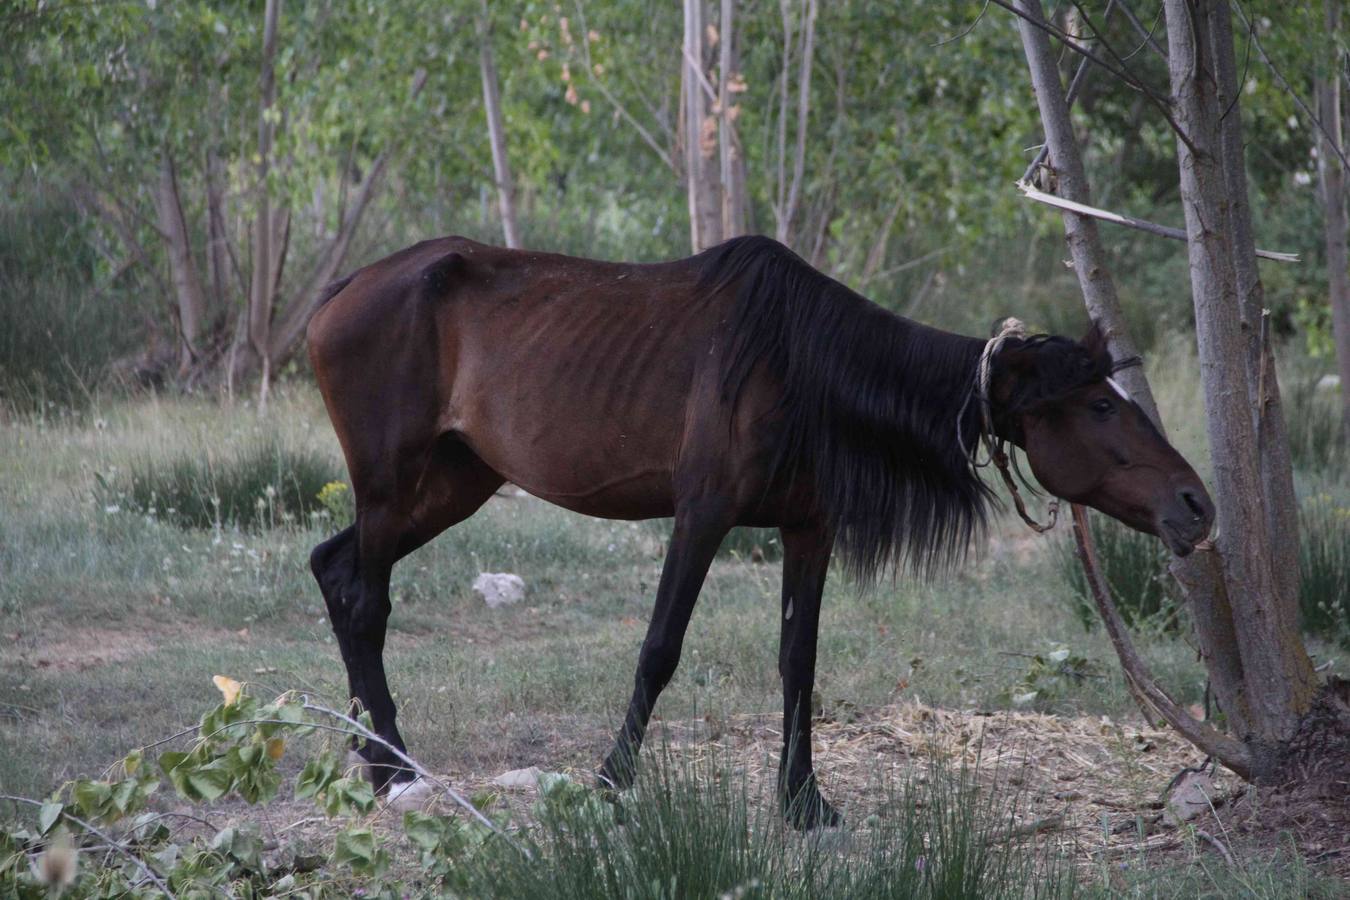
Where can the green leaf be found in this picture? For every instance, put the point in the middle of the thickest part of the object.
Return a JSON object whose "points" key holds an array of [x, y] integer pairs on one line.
{"points": [[90, 796], [209, 783], [356, 847], [49, 815], [426, 831]]}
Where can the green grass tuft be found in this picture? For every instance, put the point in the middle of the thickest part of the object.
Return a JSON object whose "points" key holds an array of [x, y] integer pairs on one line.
{"points": [[1324, 567], [255, 488], [1134, 566], [691, 829]]}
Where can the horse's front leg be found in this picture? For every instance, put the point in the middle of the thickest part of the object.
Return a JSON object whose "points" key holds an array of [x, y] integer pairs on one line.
{"points": [[806, 559], [700, 527]]}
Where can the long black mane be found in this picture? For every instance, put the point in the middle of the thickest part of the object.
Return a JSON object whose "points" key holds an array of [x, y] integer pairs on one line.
{"points": [[870, 401]]}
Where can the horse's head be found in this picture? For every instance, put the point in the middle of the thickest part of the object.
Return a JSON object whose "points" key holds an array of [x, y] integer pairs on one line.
{"points": [[1088, 442]]}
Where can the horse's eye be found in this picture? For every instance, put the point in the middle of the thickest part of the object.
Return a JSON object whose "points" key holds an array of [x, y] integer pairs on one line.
{"points": [[1103, 407]]}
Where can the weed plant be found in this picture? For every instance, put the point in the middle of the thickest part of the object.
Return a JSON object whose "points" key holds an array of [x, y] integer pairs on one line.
{"points": [[255, 487], [1135, 568], [1324, 567], [697, 830]]}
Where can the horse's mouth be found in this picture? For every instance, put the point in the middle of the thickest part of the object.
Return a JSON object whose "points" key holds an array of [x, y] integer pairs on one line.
{"points": [[1181, 539]]}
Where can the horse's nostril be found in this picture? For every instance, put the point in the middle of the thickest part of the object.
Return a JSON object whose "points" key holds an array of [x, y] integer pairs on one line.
{"points": [[1195, 505]]}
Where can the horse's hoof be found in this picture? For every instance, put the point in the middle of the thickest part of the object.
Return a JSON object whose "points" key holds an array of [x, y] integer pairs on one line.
{"points": [[358, 767], [811, 812], [405, 796], [615, 776]]}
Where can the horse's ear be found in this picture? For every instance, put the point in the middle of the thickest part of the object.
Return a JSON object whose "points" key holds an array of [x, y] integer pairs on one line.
{"points": [[438, 275], [1095, 340]]}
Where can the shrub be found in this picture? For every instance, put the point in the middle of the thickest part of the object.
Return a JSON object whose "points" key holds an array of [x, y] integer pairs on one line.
{"points": [[1324, 567], [1313, 418], [259, 487], [63, 317], [1134, 566]]}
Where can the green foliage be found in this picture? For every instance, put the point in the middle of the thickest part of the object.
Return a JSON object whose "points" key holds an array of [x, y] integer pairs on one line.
{"points": [[1134, 566], [1049, 675], [684, 831], [62, 318], [1313, 419], [1324, 566], [257, 487]]}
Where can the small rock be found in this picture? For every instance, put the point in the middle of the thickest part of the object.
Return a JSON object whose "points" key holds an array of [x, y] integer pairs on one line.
{"points": [[499, 588], [519, 778], [1190, 797], [405, 796]]}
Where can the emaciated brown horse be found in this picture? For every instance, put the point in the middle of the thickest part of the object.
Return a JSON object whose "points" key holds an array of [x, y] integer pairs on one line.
{"points": [[736, 387]]}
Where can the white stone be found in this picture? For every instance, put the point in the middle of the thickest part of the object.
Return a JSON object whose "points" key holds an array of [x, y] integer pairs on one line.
{"points": [[405, 796], [519, 778], [499, 588]]}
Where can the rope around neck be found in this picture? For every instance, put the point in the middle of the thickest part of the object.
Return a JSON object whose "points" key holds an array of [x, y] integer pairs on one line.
{"points": [[994, 445]]}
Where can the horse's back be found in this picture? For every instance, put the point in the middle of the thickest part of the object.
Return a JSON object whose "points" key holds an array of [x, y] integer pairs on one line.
{"points": [[570, 377]]}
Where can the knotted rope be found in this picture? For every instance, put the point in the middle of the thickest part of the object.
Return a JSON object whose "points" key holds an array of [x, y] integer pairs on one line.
{"points": [[993, 444]]}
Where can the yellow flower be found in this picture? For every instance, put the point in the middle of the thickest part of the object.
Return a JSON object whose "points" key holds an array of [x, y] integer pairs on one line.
{"points": [[228, 687]]}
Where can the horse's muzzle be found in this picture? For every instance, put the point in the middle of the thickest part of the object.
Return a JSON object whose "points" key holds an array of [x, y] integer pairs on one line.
{"points": [[1187, 520]]}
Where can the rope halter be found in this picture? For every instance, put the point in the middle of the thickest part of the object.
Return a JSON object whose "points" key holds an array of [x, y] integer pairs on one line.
{"points": [[993, 444]]}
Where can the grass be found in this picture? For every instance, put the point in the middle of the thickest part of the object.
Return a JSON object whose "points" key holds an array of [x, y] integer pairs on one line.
{"points": [[258, 487], [113, 622], [1324, 565], [692, 830], [1134, 566]]}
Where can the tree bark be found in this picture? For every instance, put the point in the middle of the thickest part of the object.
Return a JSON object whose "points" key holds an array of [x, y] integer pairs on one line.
{"points": [[217, 240], [788, 208], [1263, 387], [1276, 669], [732, 165], [1199, 574], [261, 292], [700, 138], [501, 162], [1332, 177], [187, 284], [1080, 232], [291, 325]]}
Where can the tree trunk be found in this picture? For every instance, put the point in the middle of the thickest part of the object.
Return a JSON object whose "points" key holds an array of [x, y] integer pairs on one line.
{"points": [[700, 138], [261, 292], [501, 163], [1263, 387], [732, 165], [1276, 670], [1080, 232], [217, 241], [187, 284], [788, 208], [1332, 178], [1199, 574]]}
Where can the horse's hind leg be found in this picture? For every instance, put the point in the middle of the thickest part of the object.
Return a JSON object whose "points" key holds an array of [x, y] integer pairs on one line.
{"points": [[806, 559], [353, 570], [699, 529]]}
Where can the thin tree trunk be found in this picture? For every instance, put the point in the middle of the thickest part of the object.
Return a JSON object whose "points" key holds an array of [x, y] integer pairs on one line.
{"points": [[1263, 387], [700, 138], [1276, 669], [1332, 178], [501, 163], [261, 293], [187, 284], [732, 167], [789, 210], [217, 248], [1199, 574], [1080, 232]]}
